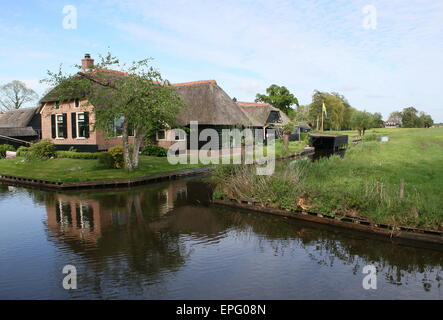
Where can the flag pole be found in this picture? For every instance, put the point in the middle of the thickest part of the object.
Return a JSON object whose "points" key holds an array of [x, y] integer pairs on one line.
{"points": [[322, 118]]}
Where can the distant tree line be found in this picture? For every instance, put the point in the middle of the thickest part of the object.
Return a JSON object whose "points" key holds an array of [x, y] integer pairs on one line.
{"points": [[411, 118], [340, 114]]}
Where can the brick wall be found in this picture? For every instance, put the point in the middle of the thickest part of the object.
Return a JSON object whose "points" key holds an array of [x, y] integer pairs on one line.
{"points": [[68, 108], [96, 137]]}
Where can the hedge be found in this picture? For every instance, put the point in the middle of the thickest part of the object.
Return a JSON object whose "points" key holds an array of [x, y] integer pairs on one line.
{"points": [[77, 155], [155, 151]]}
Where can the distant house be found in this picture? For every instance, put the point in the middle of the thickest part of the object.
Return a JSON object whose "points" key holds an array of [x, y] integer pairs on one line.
{"points": [[20, 127], [265, 115], [69, 124], [391, 125]]}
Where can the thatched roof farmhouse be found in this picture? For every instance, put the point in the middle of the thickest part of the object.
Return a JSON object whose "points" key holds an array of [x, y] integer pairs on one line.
{"points": [[206, 102], [20, 124]]}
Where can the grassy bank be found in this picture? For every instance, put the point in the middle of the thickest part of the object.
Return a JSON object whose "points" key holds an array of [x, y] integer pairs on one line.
{"points": [[366, 182], [74, 170]]}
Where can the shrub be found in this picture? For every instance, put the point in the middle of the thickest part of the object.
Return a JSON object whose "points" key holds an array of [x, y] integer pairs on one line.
{"points": [[44, 149], [113, 158], [304, 137], [77, 155], [155, 151], [117, 155], [4, 148], [22, 151], [106, 159], [372, 137]]}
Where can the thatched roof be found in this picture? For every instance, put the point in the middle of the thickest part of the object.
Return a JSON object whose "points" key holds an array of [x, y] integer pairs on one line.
{"points": [[260, 112], [18, 132], [68, 91], [208, 104], [18, 118]]}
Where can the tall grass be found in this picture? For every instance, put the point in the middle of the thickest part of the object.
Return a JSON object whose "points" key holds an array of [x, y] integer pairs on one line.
{"points": [[366, 182]]}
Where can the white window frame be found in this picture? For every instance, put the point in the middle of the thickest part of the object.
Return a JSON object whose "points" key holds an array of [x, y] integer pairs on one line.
{"points": [[156, 134], [175, 135], [77, 126], [56, 127]]}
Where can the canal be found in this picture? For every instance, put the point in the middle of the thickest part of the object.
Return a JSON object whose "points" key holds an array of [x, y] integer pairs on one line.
{"points": [[164, 241]]}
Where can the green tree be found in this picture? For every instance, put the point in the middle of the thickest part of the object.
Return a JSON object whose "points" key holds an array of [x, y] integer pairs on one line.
{"points": [[300, 114], [361, 121], [426, 120], [137, 94], [395, 117], [15, 94], [377, 120], [335, 107], [410, 118], [278, 96]]}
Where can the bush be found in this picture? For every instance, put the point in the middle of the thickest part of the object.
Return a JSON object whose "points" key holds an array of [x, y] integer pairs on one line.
{"points": [[4, 148], [113, 158], [77, 155], [304, 137], [42, 150], [372, 137], [22, 151], [106, 159], [155, 151]]}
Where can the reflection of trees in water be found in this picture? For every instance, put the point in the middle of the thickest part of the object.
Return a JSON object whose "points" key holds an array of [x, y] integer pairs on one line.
{"points": [[145, 240], [150, 250], [398, 263], [3, 188]]}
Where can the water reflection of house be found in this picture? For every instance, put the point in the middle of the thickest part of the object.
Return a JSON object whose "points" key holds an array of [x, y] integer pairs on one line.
{"points": [[75, 217], [169, 196], [85, 218]]}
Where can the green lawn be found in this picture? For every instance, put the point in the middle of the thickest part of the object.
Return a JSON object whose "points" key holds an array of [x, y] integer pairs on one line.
{"points": [[74, 170], [365, 182], [71, 170]]}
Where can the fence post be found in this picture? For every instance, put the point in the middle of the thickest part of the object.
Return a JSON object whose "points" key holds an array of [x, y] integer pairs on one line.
{"points": [[402, 188]]}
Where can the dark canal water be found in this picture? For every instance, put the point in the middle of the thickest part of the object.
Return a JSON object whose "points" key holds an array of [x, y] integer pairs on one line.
{"points": [[163, 241]]}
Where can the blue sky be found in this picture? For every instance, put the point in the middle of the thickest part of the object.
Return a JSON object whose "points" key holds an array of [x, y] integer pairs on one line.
{"points": [[244, 45]]}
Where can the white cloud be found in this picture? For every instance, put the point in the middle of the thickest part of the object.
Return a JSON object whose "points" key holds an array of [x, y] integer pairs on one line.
{"points": [[306, 46], [309, 44]]}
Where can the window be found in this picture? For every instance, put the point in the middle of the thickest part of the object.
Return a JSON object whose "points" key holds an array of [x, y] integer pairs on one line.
{"points": [[117, 128], [161, 135], [179, 135], [85, 216], [63, 213], [81, 125], [274, 117], [76, 103], [60, 126]]}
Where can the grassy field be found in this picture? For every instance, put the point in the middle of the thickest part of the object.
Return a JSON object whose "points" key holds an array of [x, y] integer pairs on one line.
{"points": [[366, 182], [74, 170]]}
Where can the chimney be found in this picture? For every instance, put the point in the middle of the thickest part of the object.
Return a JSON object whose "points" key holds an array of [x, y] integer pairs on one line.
{"points": [[87, 63]]}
